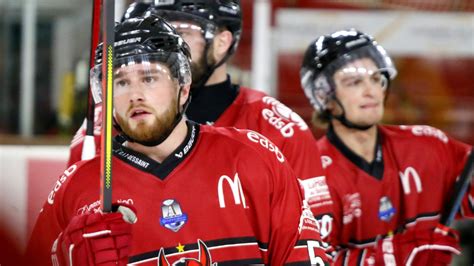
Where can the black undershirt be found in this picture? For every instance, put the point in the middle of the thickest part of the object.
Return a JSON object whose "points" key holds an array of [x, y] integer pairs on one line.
{"points": [[209, 102], [375, 168]]}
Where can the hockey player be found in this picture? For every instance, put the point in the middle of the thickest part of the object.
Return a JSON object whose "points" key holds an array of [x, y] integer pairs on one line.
{"points": [[212, 29], [387, 185], [186, 194]]}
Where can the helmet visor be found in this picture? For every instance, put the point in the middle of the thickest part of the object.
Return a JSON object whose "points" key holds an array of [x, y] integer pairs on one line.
{"points": [[360, 74], [145, 71], [320, 87]]}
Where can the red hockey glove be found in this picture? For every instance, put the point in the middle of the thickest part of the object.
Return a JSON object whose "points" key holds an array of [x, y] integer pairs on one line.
{"points": [[426, 247], [96, 239]]}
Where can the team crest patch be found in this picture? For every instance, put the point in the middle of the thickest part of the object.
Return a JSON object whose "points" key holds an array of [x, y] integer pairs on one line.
{"points": [[172, 216], [203, 260], [386, 209]]}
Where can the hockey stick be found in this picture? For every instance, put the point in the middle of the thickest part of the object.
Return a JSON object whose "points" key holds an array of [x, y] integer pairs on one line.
{"points": [[108, 22], [460, 188], [88, 146]]}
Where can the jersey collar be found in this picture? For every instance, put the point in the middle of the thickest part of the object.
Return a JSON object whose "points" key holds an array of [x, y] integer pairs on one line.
{"points": [[375, 168], [146, 164]]}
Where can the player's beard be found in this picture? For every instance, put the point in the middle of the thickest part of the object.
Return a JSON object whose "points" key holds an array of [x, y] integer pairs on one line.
{"points": [[199, 67], [149, 133]]}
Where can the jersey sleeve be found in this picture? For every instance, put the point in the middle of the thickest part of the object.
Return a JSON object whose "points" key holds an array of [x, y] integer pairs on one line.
{"points": [[51, 222], [289, 232], [289, 209], [454, 156], [459, 158], [303, 154]]}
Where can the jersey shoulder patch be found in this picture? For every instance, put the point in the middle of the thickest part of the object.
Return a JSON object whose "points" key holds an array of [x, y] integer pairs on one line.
{"points": [[241, 138], [423, 131], [274, 114]]}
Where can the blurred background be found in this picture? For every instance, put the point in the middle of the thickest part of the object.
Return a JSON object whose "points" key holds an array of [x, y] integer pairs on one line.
{"points": [[44, 58]]}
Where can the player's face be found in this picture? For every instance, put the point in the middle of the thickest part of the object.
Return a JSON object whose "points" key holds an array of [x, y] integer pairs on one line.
{"points": [[145, 100], [360, 87], [193, 36]]}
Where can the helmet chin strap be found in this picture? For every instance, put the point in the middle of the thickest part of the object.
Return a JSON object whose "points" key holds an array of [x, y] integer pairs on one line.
{"points": [[167, 133], [209, 68], [342, 118]]}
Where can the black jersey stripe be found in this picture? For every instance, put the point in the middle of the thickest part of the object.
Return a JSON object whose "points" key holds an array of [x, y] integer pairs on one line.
{"points": [[421, 216], [299, 263], [361, 257], [256, 261], [211, 244], [408, 222]]}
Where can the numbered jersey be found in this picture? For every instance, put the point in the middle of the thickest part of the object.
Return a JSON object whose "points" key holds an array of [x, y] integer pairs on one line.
{"points": [[406, 187], [226, 193]]}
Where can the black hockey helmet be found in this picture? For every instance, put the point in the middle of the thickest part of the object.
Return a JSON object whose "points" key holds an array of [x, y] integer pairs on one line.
{"points": [[208, 13], [136, 9], [151, 37], [146, 40], [329, 53]]}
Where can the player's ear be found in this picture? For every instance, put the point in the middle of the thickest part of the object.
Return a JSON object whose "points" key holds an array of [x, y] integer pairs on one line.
{"points": [[222, 43], [184, 94]]}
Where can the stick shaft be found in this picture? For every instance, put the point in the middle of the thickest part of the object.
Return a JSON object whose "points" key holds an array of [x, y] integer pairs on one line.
{"points": [[460, 188], [88, 147], [107, 104]]}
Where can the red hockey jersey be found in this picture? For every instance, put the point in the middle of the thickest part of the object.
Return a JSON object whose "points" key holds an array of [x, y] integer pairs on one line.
{"points": [[226, 192], [256, 111], [406, 187]]}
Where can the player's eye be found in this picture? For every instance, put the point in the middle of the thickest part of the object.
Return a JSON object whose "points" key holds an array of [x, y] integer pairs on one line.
{"points": [[354, 82], [121, 83], [376, 78], [149, 79]]}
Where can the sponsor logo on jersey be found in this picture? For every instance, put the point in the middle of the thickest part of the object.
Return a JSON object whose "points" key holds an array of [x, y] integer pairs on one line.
{"points": [[316, 190], [188, 146], [427, 131], [204, 258], [386, 209], [307, 220], [95, 206], [267, 144], [60, 182], [235, 187], [405, 176], [326, 161], [133, 159], [282, 118], [172, 216], [351, 208]]}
